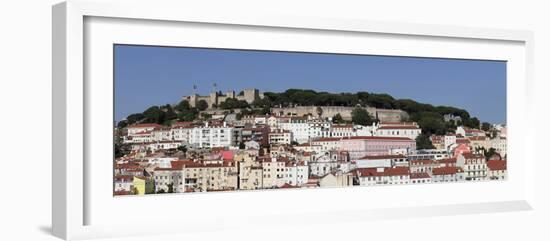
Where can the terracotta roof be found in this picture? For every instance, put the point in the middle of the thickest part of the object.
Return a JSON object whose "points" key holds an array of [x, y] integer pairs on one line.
{"points": [[123, 178], [378, 157], [144, 125], [286, 185], [448, 160], [395, 171], [323, 139], [446, 170], [477, 138], [472, 131], [120, 193], [496, 165], [422, 162], [472, 156], [420, 175], [127, 166], [462, 141]]}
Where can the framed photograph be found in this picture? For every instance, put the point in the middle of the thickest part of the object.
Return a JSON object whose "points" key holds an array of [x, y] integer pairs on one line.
{"points": [[189, 120]]}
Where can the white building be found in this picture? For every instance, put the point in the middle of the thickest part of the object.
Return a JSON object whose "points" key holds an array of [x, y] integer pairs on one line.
{"points": [[279, 137], [181, 134], [327, 143], [342, 131], [499, 144], [296, 173], [162, 134], [497, 169], [145, 127], [420, 178], [173, 176], [474, 166], [383, 176], [124, 183], [447, 174], [209, 136], [306, 128], [381, 161], [449, 141], [273, 172], [408, 130]]}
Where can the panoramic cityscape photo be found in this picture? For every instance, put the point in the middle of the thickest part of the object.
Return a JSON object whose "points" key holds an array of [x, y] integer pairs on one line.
{"points": [[192, 120]]}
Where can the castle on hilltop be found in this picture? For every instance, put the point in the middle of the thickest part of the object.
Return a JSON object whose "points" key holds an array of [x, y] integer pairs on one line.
{"points": [[216, 98]]}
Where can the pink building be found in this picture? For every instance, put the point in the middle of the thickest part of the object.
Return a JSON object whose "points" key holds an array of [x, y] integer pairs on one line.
{"points": [[359, 146]]}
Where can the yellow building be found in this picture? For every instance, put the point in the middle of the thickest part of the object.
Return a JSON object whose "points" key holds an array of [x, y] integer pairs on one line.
{"points": [[139, 185]]}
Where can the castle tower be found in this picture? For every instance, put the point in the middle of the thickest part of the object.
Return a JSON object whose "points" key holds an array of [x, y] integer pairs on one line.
{"points": [[250, 95]]}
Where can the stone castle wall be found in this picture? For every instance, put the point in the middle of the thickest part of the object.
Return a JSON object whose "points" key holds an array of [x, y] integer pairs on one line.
{"points": [[345, 112], [215, 99]]}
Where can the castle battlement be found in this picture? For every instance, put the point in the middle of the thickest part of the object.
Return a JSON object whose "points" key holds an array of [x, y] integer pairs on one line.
{"points": [[216, 98]]}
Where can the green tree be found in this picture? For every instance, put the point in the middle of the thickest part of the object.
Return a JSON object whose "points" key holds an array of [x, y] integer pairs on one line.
{"points": [[170, 114], [150, 187], [188, 115], [472, 123], [182, 148], [136, 117], [183, 106], [154, 115], [121, 124], [486, 126], [121, 149], [423, 142], [360, 116], [232, 103], [338, 119], [202, 105], [489, 153]]}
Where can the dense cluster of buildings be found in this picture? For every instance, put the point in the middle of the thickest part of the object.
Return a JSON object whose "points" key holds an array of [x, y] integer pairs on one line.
{"points": [[278, 151]]}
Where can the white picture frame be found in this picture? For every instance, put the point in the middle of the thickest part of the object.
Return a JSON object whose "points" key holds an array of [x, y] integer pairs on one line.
{"points": [[73, 193]]}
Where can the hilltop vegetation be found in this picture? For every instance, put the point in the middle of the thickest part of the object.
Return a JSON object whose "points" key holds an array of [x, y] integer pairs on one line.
{"points": [[429, 117]]}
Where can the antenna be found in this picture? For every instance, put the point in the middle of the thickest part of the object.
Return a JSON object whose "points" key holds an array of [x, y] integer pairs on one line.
{"points": [[215, 88], [194, 89]]}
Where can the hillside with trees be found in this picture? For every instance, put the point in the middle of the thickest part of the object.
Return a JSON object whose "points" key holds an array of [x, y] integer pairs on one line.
{"points": [[429, 118]]}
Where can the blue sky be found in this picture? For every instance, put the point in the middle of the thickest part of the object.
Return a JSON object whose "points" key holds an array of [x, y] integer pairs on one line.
{"points": [[147, 75]]}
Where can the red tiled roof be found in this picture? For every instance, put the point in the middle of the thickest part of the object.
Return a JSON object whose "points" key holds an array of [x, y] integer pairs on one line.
{"points": [[477, 138], [323, 139], [422, 162], [446, 170], [120, 193], [286, 185], [448, 160], [123, 178], [378, 157], [144, 125], [496, 165], [420, 175], [472, 156], [395, 171], [472, 131], [462, 141]]}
